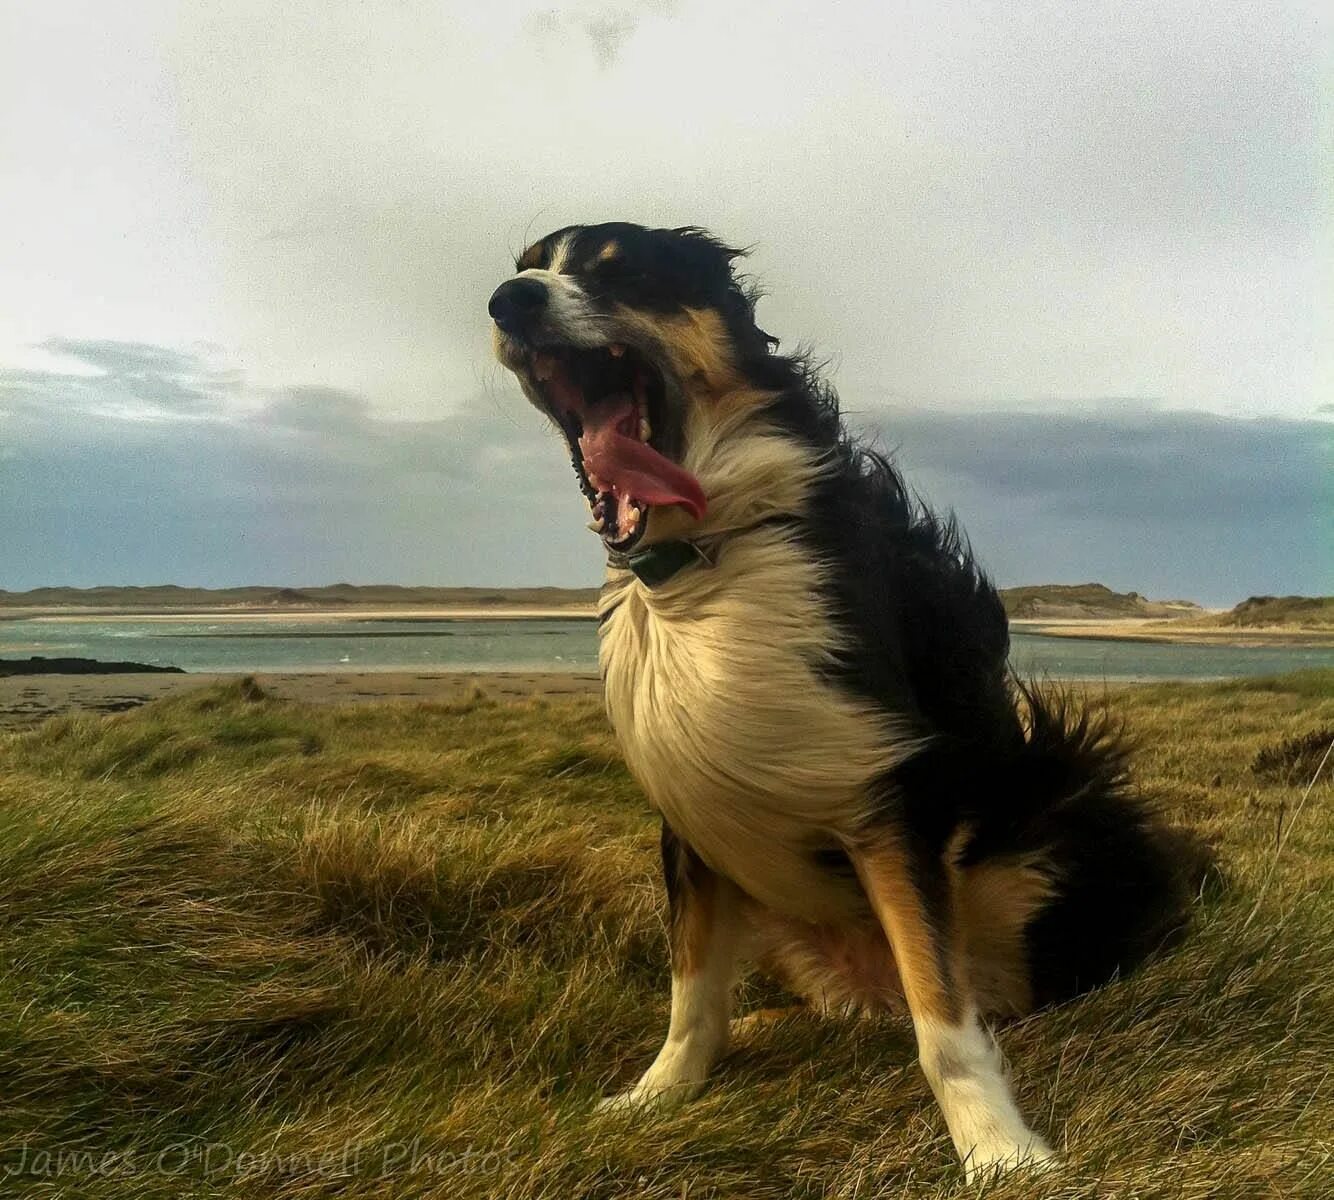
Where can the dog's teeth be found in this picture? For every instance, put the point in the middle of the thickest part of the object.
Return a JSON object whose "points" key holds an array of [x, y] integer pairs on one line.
{"points": [[597, 526], [645, 429], [616, 349]]}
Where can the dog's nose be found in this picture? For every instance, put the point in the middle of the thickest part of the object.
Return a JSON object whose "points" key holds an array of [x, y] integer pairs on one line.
{"points": [[517, 304]]}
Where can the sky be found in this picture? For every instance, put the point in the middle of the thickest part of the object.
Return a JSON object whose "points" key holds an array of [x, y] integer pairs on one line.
{"points": [[1069, 260]]}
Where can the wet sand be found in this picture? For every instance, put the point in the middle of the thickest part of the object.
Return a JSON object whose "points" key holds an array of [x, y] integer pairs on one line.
{"points": [[28, 699]]}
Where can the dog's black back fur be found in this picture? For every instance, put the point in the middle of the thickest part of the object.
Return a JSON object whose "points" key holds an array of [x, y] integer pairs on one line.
{"points": [[1026, 771]]}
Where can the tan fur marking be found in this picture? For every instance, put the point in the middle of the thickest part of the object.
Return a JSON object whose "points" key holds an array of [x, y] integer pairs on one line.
{"points": [[696, 347], [611, 250], [885, 873], [532, 257], [844, 969], [692, 932], [996, 903], [762, 1018]]}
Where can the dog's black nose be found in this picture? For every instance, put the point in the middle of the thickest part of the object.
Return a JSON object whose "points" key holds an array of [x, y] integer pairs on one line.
{"points": [[517, 304]]}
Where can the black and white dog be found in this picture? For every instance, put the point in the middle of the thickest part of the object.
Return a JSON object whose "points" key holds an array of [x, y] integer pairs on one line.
{"points": [[807, 674]]}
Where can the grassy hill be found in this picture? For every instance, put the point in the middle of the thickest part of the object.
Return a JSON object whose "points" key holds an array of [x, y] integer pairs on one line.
{"points": [[339, 595], [264, 950], [1261, 612], [1060, 601], [1054, 601]]}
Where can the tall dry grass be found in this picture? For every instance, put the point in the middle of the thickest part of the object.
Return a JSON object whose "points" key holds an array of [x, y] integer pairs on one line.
{"points": [[257, 949]]}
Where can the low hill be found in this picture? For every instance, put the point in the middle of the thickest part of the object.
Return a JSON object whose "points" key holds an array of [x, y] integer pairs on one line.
{"points": [[1083, 601], [338, 595], [1268, 612]]}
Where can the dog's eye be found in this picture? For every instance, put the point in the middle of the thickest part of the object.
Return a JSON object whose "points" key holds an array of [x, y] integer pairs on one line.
{"points": [[613, 273]]}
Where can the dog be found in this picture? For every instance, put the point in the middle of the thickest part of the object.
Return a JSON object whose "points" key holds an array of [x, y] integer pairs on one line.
{"points": [[807, 673]]}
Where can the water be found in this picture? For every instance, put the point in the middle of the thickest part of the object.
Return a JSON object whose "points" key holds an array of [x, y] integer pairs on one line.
{"points": [[222, 644], [219, 644]]}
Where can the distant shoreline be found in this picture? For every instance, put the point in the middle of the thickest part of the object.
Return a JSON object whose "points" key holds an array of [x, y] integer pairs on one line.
{"points": [[516, 612], [1181, 631], [1122, 629], [1087, 610]]}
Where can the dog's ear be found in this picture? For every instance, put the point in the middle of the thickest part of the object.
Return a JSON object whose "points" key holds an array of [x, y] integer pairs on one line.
{"points": [[707, 250], [751, 294]]}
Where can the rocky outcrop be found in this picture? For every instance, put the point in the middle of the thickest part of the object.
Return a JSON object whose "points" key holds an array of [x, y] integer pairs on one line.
{"points": [[79, 666]]}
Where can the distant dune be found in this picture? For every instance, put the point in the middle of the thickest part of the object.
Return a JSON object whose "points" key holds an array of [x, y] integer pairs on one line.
{"points": [[1088, 601], [1276, 612], [338, 595], [1051, 601], [1093, 611], [1048, 602]]}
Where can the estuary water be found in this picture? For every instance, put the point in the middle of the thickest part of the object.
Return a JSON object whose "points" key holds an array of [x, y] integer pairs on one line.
{"points": [[542, 644]]}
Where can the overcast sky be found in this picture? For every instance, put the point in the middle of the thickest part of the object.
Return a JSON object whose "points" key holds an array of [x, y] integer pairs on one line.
{"points": [[1069, 258]]}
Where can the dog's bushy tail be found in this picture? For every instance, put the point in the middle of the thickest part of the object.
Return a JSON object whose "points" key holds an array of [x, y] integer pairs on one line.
{"points": [[1121, 880]]}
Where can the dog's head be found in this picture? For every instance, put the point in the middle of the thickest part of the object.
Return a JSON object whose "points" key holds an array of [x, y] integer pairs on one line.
{"points": [[632, 340]]}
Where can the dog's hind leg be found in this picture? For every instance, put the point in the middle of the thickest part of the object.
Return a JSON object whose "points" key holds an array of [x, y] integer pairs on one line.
{"points": [[706, 936], [914, 894]]}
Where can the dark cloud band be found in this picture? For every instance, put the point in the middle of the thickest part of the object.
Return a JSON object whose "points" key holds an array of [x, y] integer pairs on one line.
{"points": [[164, 468]]}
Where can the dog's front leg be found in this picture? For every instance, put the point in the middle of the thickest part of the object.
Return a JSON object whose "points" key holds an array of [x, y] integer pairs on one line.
{"points": [[912, 892], [705, 936]]}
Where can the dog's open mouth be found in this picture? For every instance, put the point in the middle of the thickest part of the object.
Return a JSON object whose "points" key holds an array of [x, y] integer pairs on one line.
{"points": [[610, 404]]}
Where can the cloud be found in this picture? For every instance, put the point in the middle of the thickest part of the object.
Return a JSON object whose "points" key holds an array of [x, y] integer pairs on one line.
{"points": [[130, 379], [1166, 466], [296, 482], [975, 202], [1168, 503], [608, 27], [311, 484]]}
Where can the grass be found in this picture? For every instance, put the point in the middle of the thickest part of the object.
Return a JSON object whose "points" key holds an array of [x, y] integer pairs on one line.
{"points": [[257, 949], [1062, 601], [1311, 612]]}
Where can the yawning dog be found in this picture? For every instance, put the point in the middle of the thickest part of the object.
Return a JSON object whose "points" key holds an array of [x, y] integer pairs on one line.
{"points": [[807, 673]]}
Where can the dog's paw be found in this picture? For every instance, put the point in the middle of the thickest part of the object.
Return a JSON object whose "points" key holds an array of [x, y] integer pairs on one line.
{"points": [[651, 1094], [989, 1159], [627, 1101]]}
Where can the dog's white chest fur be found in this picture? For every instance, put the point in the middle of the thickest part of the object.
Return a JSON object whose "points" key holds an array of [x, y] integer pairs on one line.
{"points": [[711, 683]]}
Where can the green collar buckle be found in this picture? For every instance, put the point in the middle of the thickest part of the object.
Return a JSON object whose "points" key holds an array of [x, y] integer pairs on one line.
{"points": [[655, 565]]}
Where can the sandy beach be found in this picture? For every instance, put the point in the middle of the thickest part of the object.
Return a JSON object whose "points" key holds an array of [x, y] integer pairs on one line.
{"points": [[28, 699], [1180, 632]]}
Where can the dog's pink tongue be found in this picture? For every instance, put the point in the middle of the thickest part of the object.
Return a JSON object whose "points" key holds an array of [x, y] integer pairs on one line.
{"points": [[634, 468]]}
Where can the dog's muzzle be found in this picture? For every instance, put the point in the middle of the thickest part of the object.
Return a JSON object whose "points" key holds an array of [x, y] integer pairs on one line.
{"points": [[517, 306]]}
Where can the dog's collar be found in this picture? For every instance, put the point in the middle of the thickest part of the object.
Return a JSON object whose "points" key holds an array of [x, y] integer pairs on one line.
{"points": [[654, 565]]}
